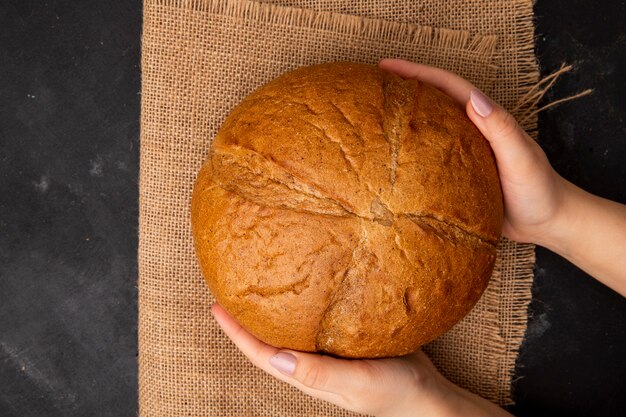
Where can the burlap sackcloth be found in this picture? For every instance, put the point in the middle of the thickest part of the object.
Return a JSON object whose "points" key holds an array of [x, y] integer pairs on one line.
{"points": [[199, 59]]}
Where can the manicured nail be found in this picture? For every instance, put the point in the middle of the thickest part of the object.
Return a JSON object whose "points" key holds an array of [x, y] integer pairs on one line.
{"points": [[481, 103], [284, 362]]}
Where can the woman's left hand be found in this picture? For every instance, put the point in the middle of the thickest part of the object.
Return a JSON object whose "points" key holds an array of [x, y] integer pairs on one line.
{"points": [[403, 386]]}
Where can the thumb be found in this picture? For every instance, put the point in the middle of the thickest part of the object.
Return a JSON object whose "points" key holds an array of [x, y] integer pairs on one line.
{"points": [[511, 145], [318, 372]]}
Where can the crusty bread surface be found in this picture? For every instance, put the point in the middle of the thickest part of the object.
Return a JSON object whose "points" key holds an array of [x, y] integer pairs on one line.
{"points": [[346, 210]]}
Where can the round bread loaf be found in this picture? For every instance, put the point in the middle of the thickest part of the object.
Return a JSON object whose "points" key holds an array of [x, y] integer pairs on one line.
{"points": [[345, 210]]}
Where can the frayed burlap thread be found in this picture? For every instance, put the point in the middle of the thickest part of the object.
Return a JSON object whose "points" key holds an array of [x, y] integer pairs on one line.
{"points": [[199, 59]]}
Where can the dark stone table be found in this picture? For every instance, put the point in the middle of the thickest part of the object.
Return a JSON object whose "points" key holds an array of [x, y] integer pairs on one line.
{"points": [[69, 128]]}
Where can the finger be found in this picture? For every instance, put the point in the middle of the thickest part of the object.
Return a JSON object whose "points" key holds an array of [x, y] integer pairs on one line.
{"points": [[507, 139], [313, 371], [317, 375], [257, 351], [456, 87], [321, 372], [310, 370], [260, 353]]}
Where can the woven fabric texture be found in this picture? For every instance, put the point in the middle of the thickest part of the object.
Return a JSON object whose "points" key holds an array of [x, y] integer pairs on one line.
{"points": [[199, 59]]}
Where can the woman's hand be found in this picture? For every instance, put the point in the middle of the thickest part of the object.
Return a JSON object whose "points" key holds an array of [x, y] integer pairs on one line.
{"points": [[533, 192], [404, 386]]}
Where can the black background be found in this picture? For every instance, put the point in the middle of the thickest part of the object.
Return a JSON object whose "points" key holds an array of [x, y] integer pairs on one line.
{"points": [[69, 128]]}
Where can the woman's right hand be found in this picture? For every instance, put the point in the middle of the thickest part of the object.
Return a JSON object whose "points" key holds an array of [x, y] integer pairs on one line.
{"points": [[533, 192]]}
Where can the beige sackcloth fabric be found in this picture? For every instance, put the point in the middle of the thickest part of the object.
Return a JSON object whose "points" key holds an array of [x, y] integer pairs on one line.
{"points": [[199, 59]]}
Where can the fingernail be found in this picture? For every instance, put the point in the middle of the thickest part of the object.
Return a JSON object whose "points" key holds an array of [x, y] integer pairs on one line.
{"points": [[284, 362], [481, 103]]}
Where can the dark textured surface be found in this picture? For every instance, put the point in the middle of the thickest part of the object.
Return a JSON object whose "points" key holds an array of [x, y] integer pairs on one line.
{"points": [[69, 127], [572, 362], [69, 111]]}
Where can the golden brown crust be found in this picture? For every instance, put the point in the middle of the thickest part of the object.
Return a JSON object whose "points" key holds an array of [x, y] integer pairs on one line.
{"points": [[346, 210]]}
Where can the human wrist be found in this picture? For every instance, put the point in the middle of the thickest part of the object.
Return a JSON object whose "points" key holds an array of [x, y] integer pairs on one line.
{"points": [[470, 404], [453, 403], [556, 234], [443, 399], [431, 399]]}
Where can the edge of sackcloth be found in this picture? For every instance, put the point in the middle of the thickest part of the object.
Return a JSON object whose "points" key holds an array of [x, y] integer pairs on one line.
{"points": [[527, 64], [515, 325], [375, 29]]}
